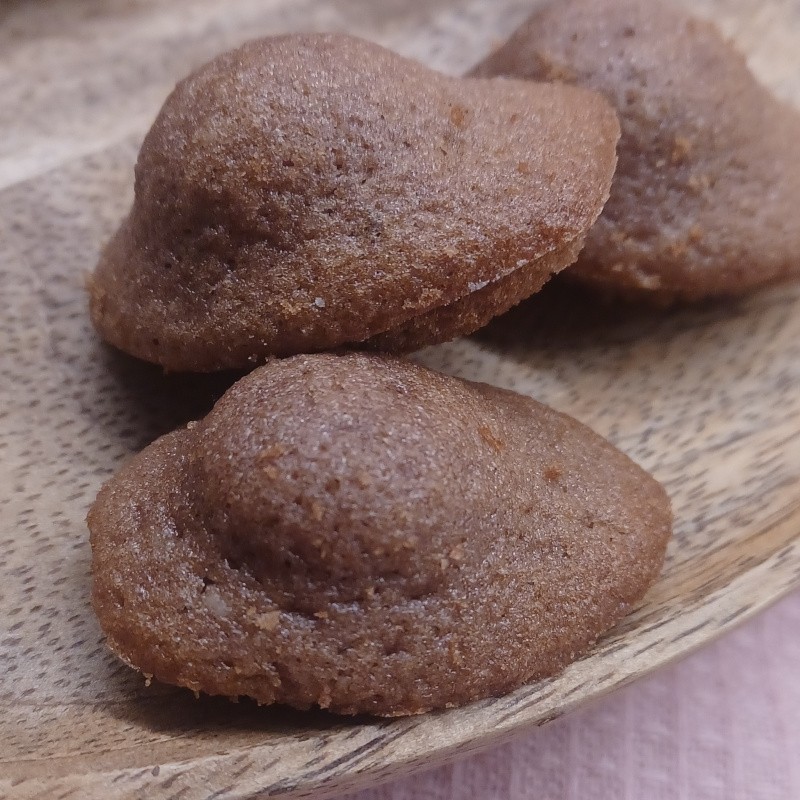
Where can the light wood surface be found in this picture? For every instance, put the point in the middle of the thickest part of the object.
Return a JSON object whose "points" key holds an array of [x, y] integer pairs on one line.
{"points": [[708, 399]]}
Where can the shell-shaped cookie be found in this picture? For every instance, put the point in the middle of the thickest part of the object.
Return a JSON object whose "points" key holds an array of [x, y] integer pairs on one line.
{"points": [[363, 534], [705, 198], [305, 192]]}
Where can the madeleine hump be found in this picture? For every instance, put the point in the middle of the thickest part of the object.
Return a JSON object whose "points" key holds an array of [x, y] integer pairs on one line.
{"points": [[359, 533], [310, 191], [706, 195]]}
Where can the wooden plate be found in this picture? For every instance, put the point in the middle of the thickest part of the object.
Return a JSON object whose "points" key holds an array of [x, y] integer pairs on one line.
{"points": [[708, 399]]}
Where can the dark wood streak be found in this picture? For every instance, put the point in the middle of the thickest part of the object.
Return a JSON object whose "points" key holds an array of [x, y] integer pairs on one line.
{"points": [[707, 398]]}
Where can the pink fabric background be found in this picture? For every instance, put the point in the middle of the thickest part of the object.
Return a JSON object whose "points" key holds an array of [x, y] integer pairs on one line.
{"points": [[724, 724]]}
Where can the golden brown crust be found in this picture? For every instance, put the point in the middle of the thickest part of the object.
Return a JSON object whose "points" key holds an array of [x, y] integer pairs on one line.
{"points": [[363, 534], [305, 192], [704, 201]]}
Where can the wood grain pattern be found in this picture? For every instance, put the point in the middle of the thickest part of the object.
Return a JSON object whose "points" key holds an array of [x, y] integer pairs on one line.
{"points": [[708, 399]]}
